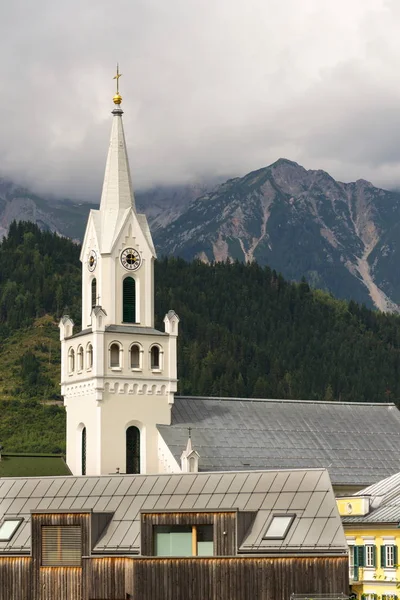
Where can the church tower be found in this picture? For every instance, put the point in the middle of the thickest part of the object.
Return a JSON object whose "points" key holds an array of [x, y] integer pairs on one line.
{"points": [[118, 374]]}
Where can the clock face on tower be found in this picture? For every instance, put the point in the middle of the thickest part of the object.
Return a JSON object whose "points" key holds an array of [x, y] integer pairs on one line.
{"points": [[131, 259], [92, 260]]}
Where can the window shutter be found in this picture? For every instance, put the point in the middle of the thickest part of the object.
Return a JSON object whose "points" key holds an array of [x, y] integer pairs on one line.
{"points": [[395, 555], [61, 546], [129, 301], [383, 556], [374, 556], [361, 556]]}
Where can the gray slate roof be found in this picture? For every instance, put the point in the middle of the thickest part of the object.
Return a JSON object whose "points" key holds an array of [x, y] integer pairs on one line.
{"points": [[306, 493], [384, 502], [358, 443], [130, 329]]}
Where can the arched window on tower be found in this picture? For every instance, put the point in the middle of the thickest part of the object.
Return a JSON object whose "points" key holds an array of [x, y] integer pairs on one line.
{"points": [[155, 361], [132, 450], [71, 360], [79, 355], [114, 356], [94, 292], [83, 456], [129, 300], [135, 357], [89, 356]]}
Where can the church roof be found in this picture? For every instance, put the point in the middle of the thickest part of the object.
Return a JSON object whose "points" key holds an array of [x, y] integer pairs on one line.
{"points": [[357, 442], [304, 495]]}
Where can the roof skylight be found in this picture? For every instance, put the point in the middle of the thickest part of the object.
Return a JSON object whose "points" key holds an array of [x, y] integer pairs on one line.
{"points": [[278, 527], [8, 529]]}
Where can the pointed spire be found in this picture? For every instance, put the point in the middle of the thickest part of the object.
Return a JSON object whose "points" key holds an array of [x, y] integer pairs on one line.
{"points": [[117, 187], [189, 457]]}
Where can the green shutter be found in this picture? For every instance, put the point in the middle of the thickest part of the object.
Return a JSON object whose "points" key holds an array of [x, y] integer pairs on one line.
{"points": [[383, 557], [395, 555], [361, 555], [129, 301], [374, 556], [356, 565]]}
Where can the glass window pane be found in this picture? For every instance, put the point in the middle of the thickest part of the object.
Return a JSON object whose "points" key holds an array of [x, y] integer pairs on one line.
{"points": [[279, 526], [173, 541], [8, 528], [181, 544], [205, 548]]}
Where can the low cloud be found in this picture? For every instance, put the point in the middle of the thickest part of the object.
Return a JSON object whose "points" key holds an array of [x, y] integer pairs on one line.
{"points": [[211, 88]]}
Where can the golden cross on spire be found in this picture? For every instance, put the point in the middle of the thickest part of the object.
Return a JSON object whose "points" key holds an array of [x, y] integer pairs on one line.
{"points": [[117, 98], [117, 76]]}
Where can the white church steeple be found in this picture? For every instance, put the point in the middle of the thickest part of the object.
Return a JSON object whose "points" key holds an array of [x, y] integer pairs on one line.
{"points": [[117, 195], [119, 374]]}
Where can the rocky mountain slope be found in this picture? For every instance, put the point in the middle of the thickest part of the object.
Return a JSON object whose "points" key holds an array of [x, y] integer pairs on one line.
{"points": [[342, 237]]}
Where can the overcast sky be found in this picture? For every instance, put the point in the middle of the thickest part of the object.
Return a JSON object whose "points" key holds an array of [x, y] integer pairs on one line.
{"points": [[210, 88]]}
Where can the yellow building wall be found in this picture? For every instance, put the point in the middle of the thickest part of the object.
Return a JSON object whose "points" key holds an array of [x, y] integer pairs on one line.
{"points": [[378, 580]]}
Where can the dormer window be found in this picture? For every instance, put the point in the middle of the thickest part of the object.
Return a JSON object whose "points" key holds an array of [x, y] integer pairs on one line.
{"points": [[183, 540]]}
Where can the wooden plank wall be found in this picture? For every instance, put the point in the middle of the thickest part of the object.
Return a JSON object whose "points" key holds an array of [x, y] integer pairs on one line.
{"points": [[16, 578], [216, 578], [238, 578], [63, 583], [108, 579], [224, 529]]}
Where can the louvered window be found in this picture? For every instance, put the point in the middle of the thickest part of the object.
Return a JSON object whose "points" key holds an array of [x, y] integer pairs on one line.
{"points": [[61, 546], [84, 451], [132, 450], [94, 292], [129, 300]]}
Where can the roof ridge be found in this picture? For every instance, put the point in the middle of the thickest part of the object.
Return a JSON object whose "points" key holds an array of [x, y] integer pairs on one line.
{"points": [[286, 401], [143, 475]]}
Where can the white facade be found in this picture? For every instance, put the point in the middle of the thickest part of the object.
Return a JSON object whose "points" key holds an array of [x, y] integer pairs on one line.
{"points": [[118, 372]]}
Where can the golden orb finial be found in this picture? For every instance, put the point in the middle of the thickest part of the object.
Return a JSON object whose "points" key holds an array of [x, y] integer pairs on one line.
{"points": [[117, 98]]}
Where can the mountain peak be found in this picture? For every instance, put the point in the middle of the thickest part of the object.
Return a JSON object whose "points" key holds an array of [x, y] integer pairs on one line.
{"points": [[285, 161]]}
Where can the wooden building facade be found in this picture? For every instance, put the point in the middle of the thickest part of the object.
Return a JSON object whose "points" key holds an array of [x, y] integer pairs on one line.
{"points": [[255, 535]]}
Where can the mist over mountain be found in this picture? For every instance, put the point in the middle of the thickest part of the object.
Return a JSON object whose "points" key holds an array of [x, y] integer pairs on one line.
{"points": [[342, 237]]}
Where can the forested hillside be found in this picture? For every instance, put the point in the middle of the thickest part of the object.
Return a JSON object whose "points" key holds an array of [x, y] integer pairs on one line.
{"points": [[244, 331]]}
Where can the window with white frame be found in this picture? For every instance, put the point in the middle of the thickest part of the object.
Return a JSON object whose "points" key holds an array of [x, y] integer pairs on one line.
{"points": [[389, 555], [389, 558], [369, 555]]}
